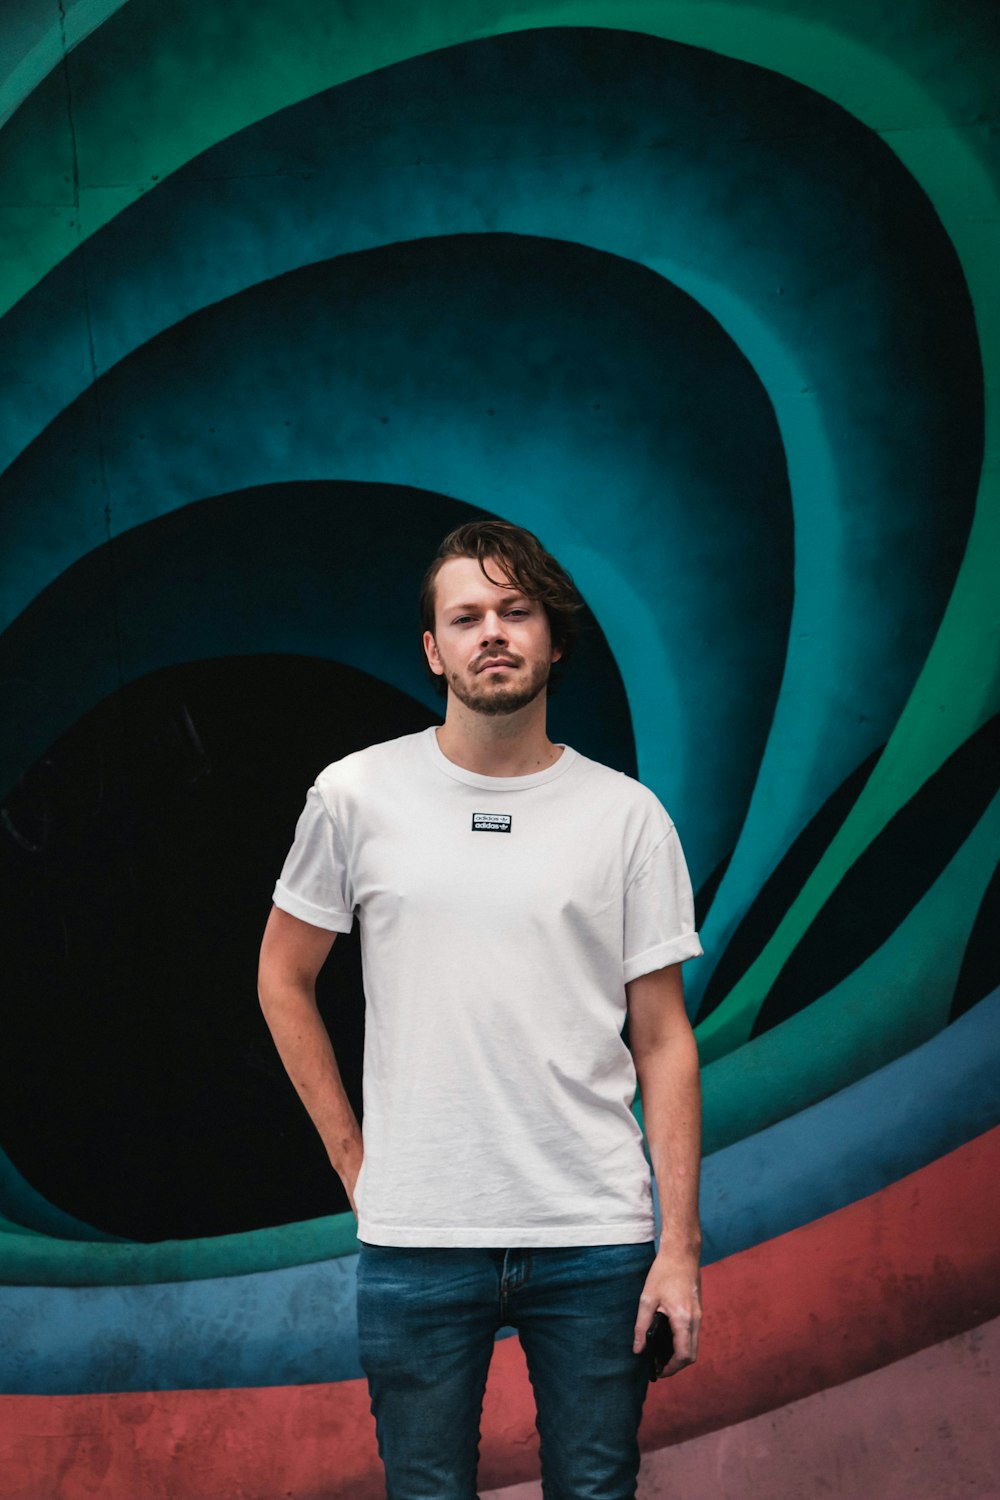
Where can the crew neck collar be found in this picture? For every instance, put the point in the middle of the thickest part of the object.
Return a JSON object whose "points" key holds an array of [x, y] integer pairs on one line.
{"points": [[495, 783]]}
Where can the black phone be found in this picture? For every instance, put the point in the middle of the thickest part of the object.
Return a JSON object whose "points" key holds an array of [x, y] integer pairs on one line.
{"points": [[659, 1344]]}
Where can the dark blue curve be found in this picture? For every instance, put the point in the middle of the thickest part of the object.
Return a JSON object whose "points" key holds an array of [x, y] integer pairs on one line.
{"points": [[20, 1203], [76, 643], [788, 219], [602, 406]]}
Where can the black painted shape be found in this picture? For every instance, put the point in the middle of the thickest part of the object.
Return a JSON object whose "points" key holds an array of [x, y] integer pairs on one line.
{"points": [[886, 882], [980, 971], [139, 1087], [781, 887], [706, 892]]}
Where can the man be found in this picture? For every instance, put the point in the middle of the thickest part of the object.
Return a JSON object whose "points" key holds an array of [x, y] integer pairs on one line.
{"points": [[516, 900]]}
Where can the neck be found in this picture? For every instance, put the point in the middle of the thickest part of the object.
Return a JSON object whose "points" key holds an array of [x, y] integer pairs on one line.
{"points": [[498, 744]]}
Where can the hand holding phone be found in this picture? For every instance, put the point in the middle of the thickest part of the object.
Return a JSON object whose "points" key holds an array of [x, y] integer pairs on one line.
{"points": [[659, 1344]]}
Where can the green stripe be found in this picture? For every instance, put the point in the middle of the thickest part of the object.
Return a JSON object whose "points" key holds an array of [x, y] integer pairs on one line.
{"points": [[27, 1259], [897, 999]]}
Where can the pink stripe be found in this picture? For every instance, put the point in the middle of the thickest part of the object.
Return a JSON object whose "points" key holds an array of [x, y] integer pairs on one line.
{"points": [[924, 1428], [817, 1307]]}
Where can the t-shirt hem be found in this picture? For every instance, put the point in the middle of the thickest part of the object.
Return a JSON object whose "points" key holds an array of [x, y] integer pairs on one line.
{"points": [[687, 945], [528, 1237], [316, 916]]}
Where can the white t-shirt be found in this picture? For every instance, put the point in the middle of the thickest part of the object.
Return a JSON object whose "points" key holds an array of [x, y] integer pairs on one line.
{"points": [[501, 917]]}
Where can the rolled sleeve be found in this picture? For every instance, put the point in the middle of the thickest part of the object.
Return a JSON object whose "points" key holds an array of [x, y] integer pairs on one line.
{"points": [[314, 883], [659, 911]]}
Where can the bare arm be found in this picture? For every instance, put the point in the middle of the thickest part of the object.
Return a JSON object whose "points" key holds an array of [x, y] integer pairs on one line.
{"points": [[666, 1062], [291, 956]]}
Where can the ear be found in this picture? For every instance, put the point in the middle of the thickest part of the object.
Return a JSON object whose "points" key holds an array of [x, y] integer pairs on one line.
{"points": [[431, 651]]}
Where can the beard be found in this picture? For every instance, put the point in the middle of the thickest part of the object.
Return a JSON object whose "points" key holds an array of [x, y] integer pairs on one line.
{"points": [[493, 696]]}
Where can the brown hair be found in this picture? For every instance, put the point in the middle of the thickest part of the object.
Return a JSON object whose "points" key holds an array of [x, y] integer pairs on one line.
{"points": [[523, 563]]}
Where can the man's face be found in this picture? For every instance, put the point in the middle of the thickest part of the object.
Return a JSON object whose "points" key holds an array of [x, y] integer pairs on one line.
{"points": [[491, 644]]}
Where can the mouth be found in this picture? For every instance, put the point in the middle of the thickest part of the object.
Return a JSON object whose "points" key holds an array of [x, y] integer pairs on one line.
{"points": [[495, 665]]}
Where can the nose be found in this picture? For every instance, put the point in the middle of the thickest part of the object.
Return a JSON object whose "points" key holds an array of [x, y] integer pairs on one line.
{"points": [[492, 628]]}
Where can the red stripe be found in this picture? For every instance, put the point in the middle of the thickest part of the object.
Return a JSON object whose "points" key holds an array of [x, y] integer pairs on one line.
{"points": [[905, 1268]]}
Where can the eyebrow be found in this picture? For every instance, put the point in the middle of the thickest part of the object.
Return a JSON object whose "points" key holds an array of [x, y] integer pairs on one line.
{"points": [[504, 599]]}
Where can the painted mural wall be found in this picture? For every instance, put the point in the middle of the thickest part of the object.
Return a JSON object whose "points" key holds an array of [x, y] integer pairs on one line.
{"points": [[705, 295]]}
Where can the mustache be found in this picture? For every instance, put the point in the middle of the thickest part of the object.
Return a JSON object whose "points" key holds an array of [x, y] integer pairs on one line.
{"points": [[491, 657]]}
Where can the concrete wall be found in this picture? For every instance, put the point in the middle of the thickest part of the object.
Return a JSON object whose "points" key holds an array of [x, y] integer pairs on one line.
{"points": [[704, 295]]}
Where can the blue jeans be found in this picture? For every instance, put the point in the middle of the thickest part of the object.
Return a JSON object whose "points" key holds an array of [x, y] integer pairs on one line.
{"points": [[427, 1319]]}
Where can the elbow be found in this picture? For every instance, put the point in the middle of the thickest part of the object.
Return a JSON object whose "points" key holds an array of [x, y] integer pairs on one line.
{"points": [[280, 994], [263, 990], [678, 1044], [269, 986]]}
